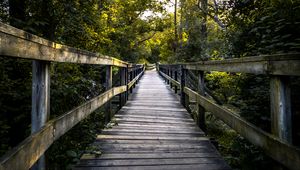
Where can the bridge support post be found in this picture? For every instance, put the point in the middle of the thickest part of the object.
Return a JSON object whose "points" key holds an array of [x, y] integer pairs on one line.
{"points": [[127, 81], [168, 73], [184, 99], [176, 78], [133, 76], [281, 114], [171, 75], [108, 85], [201, 110], [122, 96], [130, 79], [40, 111]]}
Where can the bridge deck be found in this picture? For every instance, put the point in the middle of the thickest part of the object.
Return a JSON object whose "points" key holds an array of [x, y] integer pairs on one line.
{"points": [[154, 132]]}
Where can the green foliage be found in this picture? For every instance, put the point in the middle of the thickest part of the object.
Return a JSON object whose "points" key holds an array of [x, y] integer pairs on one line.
{"points": [[15, 101]]}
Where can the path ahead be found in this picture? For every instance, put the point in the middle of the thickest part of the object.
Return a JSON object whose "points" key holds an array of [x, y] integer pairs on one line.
{"points": [[154, 132]]}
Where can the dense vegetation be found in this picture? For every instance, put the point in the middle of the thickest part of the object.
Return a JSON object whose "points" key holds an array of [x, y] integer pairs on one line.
{"points": [[147, 31]]}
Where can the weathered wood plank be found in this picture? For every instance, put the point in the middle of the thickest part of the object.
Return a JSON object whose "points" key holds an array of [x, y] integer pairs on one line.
{"points": [[40, 105], [108, 156], [279, 64], [18, 43], [281, 113], [160, 167]]}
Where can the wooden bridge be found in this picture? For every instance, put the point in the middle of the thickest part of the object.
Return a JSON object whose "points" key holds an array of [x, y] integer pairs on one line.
{"points": [[154, 128], [154, 131]]}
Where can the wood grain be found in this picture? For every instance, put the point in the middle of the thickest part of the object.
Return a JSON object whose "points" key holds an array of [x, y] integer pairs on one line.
{"points": [[153, 131]]}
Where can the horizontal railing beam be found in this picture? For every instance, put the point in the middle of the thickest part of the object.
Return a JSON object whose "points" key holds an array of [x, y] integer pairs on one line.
{"points": [[18, 43], [132, 82], [176, 83], [281, 64]]}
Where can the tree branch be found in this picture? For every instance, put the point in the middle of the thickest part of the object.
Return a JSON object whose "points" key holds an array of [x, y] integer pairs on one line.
{"points": [[214, 17]]}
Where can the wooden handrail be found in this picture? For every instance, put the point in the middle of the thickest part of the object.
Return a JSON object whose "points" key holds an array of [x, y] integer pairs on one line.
{"points": [[279, 64], [20, 44], [278, 144]]}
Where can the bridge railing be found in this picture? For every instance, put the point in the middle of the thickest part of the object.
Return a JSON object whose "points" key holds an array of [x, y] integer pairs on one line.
{"points": [[20, 44], [278, 143]]}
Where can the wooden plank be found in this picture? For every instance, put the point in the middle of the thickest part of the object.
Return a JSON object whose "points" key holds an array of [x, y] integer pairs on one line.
{"points": [[108, 86], [279, 150], [281, 114], [18, 43], [143, 162], [108, 156], [279, 64], [160, 167], [159, 131], [201, 110], [154, 117], [146, 137], [40, 110]]}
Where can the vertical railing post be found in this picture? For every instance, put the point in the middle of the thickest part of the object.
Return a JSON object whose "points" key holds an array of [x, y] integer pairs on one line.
{"points": [[176, 79], [201, 110], [133, 76], [130, 79], [127, 81], [108, 85], [40, 110], [182, 84], [122, 96], [171, 75], [168, 73], [281, 114]]}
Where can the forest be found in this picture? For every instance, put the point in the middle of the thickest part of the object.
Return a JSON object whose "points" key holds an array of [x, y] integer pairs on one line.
{"points": [[146, 32]]}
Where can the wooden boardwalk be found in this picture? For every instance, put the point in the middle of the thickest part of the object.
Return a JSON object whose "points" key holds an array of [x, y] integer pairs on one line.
{"points": [[154, 132]]}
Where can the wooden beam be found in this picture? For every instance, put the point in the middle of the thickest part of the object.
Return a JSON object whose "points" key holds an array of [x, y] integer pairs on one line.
{"points": [[40, 110], [281, 64], [281, 114], [23, 156], [174, 82], [201, 109], [176, 79], [279, 150], [17, 43], [122, 97], [108, 86]]}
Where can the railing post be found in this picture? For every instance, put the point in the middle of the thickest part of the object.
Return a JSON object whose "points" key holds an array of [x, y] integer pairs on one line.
{"points": [[127, 81], [108, 85], [130, 79], [182, 84], [122, 96], [168, 73], [176, 78], [133, 76], [281, 114], [201, 110], [171, 75], [40, 110]]}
